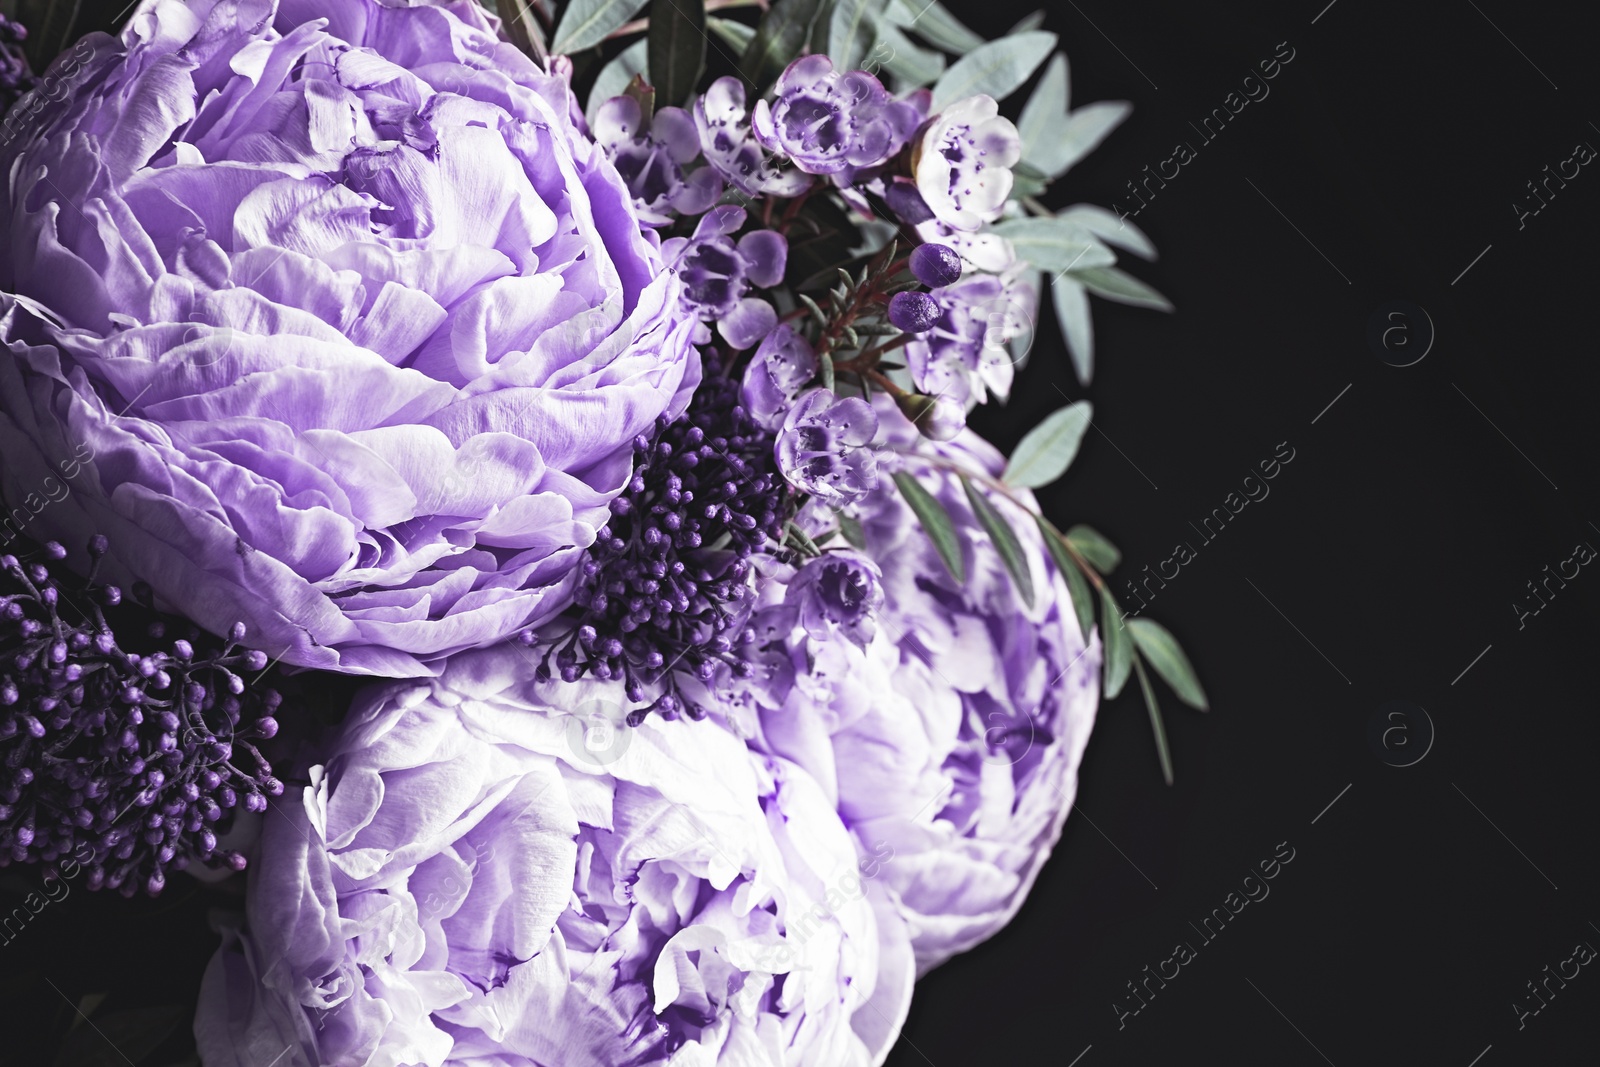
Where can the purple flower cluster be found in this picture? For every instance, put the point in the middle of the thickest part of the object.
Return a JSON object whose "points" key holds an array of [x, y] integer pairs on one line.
{"points": [[665, 590], [16, 76], [651, 153], [830, 121], [718, 274], [130, 763]]}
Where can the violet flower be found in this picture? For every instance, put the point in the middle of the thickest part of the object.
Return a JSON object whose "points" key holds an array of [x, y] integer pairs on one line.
{"points": [[966, 353], [782, 366], [650, 154], [952, 738], [827, 121], [836, 593], [825, 448], [357, 326], [487, 870], [731, 147], [717, 275], [963, 167]]}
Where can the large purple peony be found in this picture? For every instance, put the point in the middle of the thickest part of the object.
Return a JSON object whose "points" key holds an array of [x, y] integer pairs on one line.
{"points": [[951, 737], [357, 328], [477, 877]]}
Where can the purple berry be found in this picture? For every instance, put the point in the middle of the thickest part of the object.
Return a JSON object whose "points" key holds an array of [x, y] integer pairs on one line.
{"points": [[913, 312], [935, 265]]}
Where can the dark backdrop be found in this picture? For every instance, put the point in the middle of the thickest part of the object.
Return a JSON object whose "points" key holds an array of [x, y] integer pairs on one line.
{"points": [[1382, 567]]}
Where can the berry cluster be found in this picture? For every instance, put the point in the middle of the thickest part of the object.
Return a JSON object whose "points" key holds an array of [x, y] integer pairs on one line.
{"points": [[666, 591], [136, 759]]}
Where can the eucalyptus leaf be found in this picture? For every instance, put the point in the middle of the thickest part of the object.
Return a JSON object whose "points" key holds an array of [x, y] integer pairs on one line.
{"points": [[852, 31], [1114, 284], [1118, 646], [850, 528], [936, 521], [737, 34], [931, 21], [1111, 228], [1028, 22], [1086, 128], [586, 23], [1049, 448], [1092, 545], [614, 77], [908, 61], [1163, 749], [1077, 328], [1077, 586], [1168, 660], [1054, 244], [1043, 125], [522, 27], [677, 48], [1004, 538], [783, 31], [997, 69]]}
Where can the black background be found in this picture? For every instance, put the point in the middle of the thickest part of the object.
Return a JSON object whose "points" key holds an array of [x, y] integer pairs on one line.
{"points": [[1392, 548]]}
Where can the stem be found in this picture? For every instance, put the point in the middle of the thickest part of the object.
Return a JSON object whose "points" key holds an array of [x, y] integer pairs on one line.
{"points": [[1029, 202]]}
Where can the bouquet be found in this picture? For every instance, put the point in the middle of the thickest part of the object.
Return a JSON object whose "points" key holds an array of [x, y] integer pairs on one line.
{"points": [[602, 422]]}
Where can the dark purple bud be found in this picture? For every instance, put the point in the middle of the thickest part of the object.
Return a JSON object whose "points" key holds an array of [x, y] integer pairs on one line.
{"points": [[935, 265], [913, 312]]}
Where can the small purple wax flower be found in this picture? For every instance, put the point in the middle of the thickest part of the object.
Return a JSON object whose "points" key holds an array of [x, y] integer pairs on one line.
{"points": [[827, 120], [838, 591], [935, 265], [913, 312], [964, 354], [650, 154], [823, 447], [779, 370], [717, 275], [964, 164], [730, 145], [16, 77]]}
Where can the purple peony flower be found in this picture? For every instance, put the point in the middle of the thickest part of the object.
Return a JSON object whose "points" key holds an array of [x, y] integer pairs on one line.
{"points": [[965, 354], [964, 162], [731, 147], [718, 273], [650, 154], [776, 374], [480, 876], [825, 448], [357, 326], [954, 735], [827, 121]]}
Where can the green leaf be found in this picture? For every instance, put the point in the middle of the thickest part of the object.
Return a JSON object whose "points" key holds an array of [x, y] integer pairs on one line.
{"points": [[1164, 654], [1163, 750], [783, 31], [996, 69], [1043, 125], [935, 520], [614, 77], [1048, 449], [934, 24], [1118, 648], [1028, 22], [1004, 538], [914, 65], [1124, 288], [1111, 228], [737, 34], [1086, 128], [1077, 328], [850, 528], [587, 22], [522, 28], [852, 29], [1054, 244], [1077, 587], [677, 49], [1092, 546]]}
